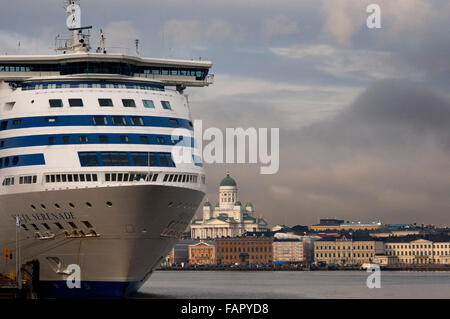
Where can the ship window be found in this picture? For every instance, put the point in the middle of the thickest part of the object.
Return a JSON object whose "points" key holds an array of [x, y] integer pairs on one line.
{"points": [[94, 177], [88, 159], [109, 204], [100, 120], [148, 104], [88, 204], [87, 224], [56, 103], [46, 226], [75, 102], [47, 178], [58, 178], [124, 139], [166, 176], [15, 160], [24, 227], [59, 225], [125, 177], [70, 178], [66, 139], [113, 177], [83, 139], [115, 159], [137, 120], [160, 139], [72, 205], [51, 140], [88, 178], [17, 122], [35, 227], [173, 121], [166, 160], [105, 102], [140, 159], [166, 105], [57, 206], [119, 120], [170, 177], [107, 177], [53, 178], [128, 103], [103, 139], [82, 179], [119, 177], [51, 119], [72, 224], [155, 177], [144, 139], [153, 160]]}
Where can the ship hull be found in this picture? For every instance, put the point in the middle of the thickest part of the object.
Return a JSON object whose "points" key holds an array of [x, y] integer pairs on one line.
{"points": [[135, 227]]}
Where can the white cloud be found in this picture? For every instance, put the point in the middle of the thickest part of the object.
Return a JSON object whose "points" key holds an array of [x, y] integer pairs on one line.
{"points": [[352, 64]]}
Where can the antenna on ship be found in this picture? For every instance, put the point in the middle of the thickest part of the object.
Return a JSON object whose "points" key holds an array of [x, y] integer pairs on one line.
{"points": [[79, 42], [101, 48], [137, 46]]}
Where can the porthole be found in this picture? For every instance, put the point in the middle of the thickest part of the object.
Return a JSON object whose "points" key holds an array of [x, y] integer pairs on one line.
{"points": [[43, 206], [72, 205], [34, 207], [57, 206], [109, 204], [170, 204], [88, 204]]}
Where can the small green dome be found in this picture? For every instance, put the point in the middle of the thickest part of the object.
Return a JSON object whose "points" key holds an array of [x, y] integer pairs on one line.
{"points": [[217, 204], [249, 204], [228, 181], [238, 203], [207, 203]]}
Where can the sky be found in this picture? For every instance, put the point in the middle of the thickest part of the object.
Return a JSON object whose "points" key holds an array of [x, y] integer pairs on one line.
{"points": [[364, 114]]}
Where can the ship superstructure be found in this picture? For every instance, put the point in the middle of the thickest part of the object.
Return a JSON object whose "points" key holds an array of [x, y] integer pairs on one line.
{"points": [[86, 163]]}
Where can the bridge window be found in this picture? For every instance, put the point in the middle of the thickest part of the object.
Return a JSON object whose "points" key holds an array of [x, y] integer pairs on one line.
{"points": [[148, 104], [166, 105], [103, 139], [105, 102], [124, 139], [166, 160], [56, 103], [83, 139], [115, 159], [88, 159], [140, 159], [144, 139], [76, 102], [128, 103]]}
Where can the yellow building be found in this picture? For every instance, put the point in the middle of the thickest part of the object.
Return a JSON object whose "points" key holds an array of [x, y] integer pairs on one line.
{"points": [[419, 251], [344, 251], [202, 254]]}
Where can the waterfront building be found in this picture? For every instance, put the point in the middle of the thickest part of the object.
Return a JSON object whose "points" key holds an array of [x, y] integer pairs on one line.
{"points": [[288, 248], [244, 250], [414, 250], [347, 251], [179, 254], [202, 253], [229, 218], [338, 225]]}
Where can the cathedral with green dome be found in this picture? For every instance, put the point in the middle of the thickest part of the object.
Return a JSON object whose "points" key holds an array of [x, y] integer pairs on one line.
{"points": [[228, 217]]}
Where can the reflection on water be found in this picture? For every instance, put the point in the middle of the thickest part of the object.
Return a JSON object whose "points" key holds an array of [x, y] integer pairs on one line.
{"points": [[293, 285]]}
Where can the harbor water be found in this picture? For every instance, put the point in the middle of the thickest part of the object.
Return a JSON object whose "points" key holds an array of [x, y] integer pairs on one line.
{"points": [[293, 285]]}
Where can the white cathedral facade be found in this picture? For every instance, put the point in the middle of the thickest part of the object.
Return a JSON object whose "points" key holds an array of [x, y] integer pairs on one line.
{"points": [[228, 218]]}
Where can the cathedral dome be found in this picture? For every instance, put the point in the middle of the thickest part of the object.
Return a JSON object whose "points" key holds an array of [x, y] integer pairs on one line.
{"points": [[228, 181]]}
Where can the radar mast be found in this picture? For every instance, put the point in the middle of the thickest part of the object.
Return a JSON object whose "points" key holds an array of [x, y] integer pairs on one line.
{"points": [[79, 41]]}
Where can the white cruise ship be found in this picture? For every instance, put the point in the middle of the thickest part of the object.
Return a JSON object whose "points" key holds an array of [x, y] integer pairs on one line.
{"points": [[87, 165]]}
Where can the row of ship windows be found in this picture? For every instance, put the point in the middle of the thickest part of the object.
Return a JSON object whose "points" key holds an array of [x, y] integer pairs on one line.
{"points": [[101, 120], [109, 177], [90, 85], [59, 225], [156, 159], [82, 139], [149, 104]]}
